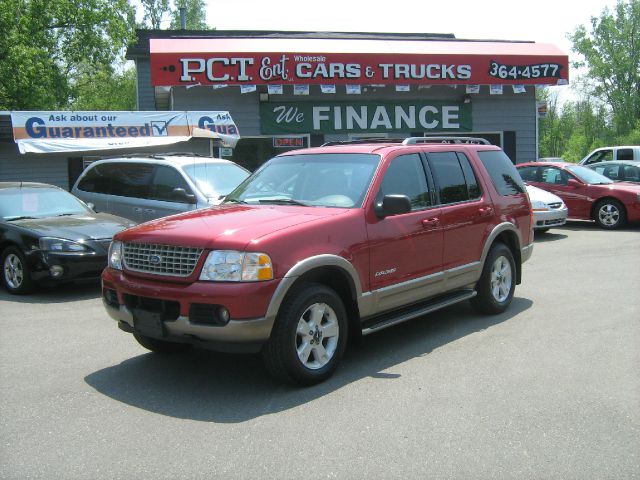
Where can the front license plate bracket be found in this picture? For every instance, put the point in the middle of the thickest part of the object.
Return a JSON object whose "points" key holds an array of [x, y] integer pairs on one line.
{"points": [[148, 323]]}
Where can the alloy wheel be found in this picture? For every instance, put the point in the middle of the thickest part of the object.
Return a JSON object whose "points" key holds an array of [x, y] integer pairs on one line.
{"points": [[501, 279], [317, 336]]}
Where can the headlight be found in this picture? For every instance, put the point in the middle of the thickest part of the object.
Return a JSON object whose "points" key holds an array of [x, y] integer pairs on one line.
{"points": [[233, 266], [538, 205], [60, 245], [115, 255]]}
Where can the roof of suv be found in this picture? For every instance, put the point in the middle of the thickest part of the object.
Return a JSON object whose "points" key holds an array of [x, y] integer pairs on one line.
{"points": [[383, 145]]}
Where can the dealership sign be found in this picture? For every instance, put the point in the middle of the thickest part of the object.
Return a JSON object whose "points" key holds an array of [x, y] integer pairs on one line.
{"points": [[358, 117], [42, 132], [239, 62]]}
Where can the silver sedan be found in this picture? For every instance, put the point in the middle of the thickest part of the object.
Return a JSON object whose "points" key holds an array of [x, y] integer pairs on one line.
{"points": [[548, 209]]}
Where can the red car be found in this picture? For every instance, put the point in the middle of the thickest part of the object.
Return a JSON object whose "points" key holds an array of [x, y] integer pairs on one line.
{"points": [[587, 194], [325, 243]]}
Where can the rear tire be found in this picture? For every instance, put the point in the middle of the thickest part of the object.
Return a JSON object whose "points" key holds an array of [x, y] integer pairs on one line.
{"points": [[161, 346], [309, 336], [610, 214], [497, 283]]}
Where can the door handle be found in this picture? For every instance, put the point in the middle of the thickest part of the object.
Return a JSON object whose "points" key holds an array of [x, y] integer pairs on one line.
{"points": [[484, 211], [431, 222], [149, 210], [137, 209]]}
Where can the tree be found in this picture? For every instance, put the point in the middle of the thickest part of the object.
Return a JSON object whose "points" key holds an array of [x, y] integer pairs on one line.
{"points": [[106, 89], [154, 11], [195, 15], [611, 52], [46, 45]]}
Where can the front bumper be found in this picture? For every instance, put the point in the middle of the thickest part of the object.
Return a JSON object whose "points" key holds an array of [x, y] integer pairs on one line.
{"points": [[550, 218], [248, 327], [74, 267]]}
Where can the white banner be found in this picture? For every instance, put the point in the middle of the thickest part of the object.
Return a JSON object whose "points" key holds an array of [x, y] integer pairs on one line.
{"points": [[48, 132]]}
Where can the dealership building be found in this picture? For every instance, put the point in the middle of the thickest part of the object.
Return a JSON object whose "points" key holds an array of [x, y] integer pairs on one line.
{"points": [[289, 90]]}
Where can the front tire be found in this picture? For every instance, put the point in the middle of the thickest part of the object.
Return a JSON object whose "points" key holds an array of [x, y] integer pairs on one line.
{"points": [[16, 274], [308, 337], [497, 283], [610, 214], [161, 346]]}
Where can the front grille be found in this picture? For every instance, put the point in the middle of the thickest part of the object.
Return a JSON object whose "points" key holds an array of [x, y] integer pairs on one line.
{"points": [[555, 206], [161, 259]]}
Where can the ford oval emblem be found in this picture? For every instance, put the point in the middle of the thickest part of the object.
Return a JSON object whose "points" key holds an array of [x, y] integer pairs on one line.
{"points": [[155, 259]]}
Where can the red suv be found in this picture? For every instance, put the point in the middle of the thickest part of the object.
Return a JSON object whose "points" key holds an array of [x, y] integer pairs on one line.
{"points": [[587, 194], [325, 243]]}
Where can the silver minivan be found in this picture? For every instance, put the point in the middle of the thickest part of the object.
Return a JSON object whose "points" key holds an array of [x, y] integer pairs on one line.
{"points": [[143, 188]]}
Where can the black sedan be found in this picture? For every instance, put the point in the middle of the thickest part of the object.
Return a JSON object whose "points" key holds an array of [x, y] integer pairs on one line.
{"points": [[48, 236], [618, 170]]}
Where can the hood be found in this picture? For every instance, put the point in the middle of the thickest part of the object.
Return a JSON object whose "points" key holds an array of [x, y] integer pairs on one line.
{"points": [[225, 226], [77, 227], [537, 194]]}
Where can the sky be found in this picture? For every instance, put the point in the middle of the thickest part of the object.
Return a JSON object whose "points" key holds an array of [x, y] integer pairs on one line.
{"points": [[542, 21]]}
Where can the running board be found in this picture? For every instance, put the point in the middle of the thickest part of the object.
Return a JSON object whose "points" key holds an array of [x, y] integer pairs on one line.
{"points": [[381, 322]]}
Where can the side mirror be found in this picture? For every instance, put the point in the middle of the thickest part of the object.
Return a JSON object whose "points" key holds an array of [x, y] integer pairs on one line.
{"points": [[181, 194], [393, 205], [573, 183]]}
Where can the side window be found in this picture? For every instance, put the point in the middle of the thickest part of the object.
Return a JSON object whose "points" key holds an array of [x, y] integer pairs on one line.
{"points": [[405, 176], [503, 173], [449, 176], [529, 174], [613, 172], [94, 180], [631, 174], [472, 182], [165, 181], [131, 179], [625, 154], [554, 176], [601, 156]]}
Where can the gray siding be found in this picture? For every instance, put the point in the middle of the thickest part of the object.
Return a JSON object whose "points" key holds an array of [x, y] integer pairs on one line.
{"points": [[32, 167], [146, 96]]}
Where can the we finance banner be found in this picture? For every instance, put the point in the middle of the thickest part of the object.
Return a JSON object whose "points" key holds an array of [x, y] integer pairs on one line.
{"points": [[361, 117], [47, 132]]}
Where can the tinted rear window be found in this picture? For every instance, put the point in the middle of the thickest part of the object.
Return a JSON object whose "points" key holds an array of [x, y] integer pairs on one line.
{"points": [[123, 179], [502, 171]]}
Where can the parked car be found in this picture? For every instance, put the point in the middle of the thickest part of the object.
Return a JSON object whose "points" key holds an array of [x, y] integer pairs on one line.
{"points": [[322, 243], [548, 209], [607, 154], [587, 194], [145, 188], [48, 236], [618, 171]]}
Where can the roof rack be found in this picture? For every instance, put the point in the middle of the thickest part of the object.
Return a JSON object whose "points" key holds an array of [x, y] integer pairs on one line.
{"points": [[462, 140], [364, 140]]}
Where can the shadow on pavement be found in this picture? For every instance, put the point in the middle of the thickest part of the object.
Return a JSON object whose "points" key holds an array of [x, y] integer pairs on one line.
{"points": [[69, 292], [224, 388], [550, 236]]}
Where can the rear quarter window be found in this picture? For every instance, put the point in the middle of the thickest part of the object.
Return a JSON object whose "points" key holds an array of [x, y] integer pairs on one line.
{"points": [[503, 173]]}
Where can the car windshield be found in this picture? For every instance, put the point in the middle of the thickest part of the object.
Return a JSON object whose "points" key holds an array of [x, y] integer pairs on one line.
{"points": [[588, 176], [215, 179], [38, 202], [322, 180]]}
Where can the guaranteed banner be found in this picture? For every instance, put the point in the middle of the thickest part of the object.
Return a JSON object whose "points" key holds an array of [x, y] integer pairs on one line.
{"points": [[42, 132], [360, 117]]}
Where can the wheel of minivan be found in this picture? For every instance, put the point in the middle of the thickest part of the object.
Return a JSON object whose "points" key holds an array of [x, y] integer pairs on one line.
{"points": [[610, 214], [308, 337], [497, 283]]}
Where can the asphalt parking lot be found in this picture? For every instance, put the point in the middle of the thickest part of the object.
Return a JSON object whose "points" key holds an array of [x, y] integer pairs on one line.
{"points": [[549, 389]]}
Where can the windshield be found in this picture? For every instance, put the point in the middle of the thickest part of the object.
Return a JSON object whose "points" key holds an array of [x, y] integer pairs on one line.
{"points": [[215, 179], [38, 203], [588, 176], [323, 180]]}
